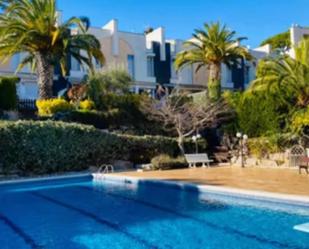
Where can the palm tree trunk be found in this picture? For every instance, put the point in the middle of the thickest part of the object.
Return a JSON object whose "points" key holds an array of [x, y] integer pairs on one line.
{"points": [[45, 74], [214, 82]]}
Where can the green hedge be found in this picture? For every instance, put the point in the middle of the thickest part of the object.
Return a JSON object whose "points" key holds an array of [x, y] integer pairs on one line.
{"points": [[95, 118], [8, 95], [46, 147], [165, 162]]}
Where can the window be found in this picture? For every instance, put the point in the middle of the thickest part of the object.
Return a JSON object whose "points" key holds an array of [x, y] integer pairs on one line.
{"points": [[131, 66], [150, 66]]}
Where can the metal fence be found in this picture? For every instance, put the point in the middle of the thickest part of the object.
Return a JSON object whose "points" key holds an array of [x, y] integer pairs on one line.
{"points": [[27, 105]]}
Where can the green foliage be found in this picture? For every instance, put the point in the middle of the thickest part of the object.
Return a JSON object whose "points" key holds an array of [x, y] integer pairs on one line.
{"points": [[50, 107], [165, 162], [86, 105], [124, 112], [281, 90], [263, 146], [32, 27], [285, 78], [300, 121], [118, 112], [8, 95], [256, 115], [109, 82], [49, 147], [280, 41], [214, 89], [211, 46], [95, 118]]}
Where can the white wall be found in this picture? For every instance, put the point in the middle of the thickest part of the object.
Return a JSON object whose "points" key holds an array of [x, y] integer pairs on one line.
{"points": [[138, 44], [297, 34], [184, 76], [158, 35]]}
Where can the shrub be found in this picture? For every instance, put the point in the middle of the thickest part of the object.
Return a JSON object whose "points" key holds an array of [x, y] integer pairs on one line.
{"points": [[52, 106], [48, 147], [8, 95], [123, 111], [164, 162], [87, 105], [262, 147], [256, 115], [95, 118], [106, 82]]}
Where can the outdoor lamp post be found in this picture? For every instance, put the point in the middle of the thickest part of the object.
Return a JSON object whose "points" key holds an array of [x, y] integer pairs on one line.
{"points": [[195, 140], [242, 139]]}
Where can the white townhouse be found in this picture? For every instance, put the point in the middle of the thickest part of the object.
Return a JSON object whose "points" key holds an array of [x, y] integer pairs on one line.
{"points": [[148, 58]]}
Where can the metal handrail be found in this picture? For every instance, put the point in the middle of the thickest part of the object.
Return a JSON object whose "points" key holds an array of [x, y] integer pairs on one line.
{"points": [[106, 169]]}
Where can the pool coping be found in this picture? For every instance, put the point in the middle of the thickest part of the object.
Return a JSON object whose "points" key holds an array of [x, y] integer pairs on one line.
{"points": [[203, 188]]}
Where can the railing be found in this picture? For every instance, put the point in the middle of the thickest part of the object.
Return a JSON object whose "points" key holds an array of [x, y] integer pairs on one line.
{"points": [[106, 169], [27, 105]]}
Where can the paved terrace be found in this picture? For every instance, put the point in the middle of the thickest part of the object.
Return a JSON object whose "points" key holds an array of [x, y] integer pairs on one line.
{"points": [[284, 181]]}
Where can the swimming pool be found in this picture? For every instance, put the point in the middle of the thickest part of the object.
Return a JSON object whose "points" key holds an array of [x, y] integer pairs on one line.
{"points": [[82, 213]]}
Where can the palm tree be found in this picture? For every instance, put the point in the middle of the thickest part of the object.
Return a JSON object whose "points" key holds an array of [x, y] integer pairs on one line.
{"points": [[211, 47], [32, 27], [285, 77]]}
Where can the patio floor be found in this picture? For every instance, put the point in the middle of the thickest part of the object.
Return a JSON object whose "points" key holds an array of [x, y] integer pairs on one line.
{"points": [[284, 181]]}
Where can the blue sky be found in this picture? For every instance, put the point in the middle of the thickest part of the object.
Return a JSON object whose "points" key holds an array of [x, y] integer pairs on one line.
{"points": [[255, 19]]}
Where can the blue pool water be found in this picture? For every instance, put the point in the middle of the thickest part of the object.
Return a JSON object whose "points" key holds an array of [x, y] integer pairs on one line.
{"points": [[82, 214]]}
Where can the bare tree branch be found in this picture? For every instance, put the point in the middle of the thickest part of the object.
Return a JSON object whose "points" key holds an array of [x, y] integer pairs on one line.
{"points": [[178, 113]]}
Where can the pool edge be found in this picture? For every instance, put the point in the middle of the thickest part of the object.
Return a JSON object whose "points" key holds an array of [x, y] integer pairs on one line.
{"points": [[202, 188]]}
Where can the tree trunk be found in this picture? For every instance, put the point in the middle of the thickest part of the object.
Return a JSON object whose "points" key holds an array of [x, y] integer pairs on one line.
{"points": [[45, 75], [214, 82], [181, 144]]}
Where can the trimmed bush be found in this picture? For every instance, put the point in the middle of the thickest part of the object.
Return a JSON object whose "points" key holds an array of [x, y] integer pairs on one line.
{"points": [[8, 95], [165, 162], [50, 107], [116, 112], [47, 147], [95, 118]]}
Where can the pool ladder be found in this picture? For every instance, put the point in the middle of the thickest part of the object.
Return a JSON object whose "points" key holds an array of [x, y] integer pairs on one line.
{"points": [[106, 169]]}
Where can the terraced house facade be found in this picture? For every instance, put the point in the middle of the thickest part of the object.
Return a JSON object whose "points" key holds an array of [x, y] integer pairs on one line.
{"points": [[148, 57]]}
